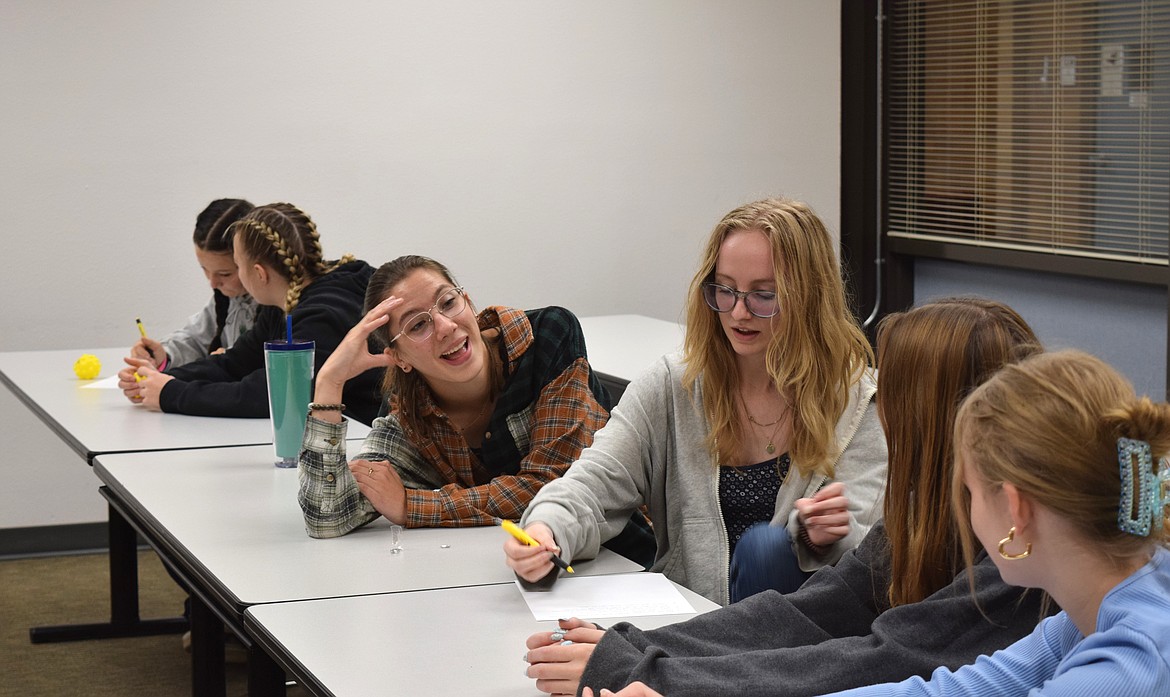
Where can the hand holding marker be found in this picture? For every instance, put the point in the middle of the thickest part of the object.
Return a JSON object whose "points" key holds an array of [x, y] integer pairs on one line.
{"points": [[142, 331], [527, 539]]}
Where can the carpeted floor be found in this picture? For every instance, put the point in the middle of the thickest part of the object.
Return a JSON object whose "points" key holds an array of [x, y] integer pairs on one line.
{"points": [[75, 589]]}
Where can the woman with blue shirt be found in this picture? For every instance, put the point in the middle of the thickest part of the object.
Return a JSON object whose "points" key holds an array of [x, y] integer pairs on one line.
{"points": [[1060, 469]]}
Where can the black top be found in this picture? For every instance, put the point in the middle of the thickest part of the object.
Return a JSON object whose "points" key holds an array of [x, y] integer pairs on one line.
{"points": [[234, 383], [747, 495]]}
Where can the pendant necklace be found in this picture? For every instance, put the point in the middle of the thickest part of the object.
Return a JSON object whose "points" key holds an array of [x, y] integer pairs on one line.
{"points": [[771, 447]]}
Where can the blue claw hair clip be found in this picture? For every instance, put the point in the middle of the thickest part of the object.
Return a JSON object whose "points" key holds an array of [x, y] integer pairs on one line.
{"points": [[1143, 490]]}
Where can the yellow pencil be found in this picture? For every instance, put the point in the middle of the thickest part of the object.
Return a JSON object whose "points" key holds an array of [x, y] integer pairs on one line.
{"points": [[527, 539], [142, 331]]}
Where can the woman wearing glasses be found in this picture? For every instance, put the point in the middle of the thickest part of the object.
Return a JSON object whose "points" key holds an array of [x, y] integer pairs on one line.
{"points": [[482, 409], [764, 418]]}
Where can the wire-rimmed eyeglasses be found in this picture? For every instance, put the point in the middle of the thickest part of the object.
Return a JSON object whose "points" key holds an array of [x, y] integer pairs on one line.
{"points": [[720, 298], [419, 327]]}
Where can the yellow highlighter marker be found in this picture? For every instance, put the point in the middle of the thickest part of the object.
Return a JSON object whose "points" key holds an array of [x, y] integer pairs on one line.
{"points": [[142, 331], [527, 539]]}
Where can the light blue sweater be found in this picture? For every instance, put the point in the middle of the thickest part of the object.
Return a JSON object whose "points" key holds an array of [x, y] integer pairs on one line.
{"points": [[1129, 654]]}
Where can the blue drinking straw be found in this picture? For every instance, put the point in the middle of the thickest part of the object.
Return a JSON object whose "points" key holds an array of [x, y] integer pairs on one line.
{"points": [[288, 326]]}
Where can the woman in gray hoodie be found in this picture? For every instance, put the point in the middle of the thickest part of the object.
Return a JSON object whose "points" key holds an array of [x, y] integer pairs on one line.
{"points": [[765, 417]]}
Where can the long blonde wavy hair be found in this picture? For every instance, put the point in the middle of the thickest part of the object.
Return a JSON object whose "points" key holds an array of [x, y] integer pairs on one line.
{"points": [[817, 354]]}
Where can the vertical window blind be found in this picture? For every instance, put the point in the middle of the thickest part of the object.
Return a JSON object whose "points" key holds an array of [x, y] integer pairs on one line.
{"points": [[1028, 125]]}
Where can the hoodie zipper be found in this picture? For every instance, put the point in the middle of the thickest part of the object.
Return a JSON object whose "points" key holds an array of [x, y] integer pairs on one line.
{"points": [[722, 530], [719, 506], [849, 441]]}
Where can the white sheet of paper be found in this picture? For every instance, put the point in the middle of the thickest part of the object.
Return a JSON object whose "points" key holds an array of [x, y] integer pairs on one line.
{"points": [[110, 383], [616, 595]]}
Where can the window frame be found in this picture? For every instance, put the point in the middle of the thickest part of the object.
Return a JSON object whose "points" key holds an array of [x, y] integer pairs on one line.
{"points": [[881, 267]]}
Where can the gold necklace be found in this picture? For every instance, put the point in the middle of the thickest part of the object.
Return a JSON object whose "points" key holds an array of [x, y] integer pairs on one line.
{"points": [[771, 447], [737, 470], [473, 421], [753, 419]]}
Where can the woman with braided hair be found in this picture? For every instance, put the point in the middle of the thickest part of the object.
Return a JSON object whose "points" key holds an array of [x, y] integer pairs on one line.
{"points": [[281, 264], [229, 313]]}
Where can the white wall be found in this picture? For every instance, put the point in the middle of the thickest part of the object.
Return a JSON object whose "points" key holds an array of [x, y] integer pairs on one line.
{"points": [[572, 153]]}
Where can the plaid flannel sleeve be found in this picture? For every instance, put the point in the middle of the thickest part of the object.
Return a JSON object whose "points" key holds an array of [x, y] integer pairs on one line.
{"points": [[329, 496], [561, 423], [328, 493]]}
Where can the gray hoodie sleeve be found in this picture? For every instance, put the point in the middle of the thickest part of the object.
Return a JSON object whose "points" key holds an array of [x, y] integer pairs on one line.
{"points": [[861, 467], [833, 634], [593, 500], [189, 343]]}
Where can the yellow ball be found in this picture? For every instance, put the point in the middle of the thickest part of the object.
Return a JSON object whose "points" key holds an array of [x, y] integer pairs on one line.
{"points": [[87, 367]]}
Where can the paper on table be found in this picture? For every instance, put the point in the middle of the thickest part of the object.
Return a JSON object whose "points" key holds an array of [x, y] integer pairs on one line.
{"points": [[616, 595], [110, 383]]}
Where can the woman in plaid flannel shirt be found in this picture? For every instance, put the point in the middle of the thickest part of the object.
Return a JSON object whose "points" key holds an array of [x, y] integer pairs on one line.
{"points": [[482, 410]]}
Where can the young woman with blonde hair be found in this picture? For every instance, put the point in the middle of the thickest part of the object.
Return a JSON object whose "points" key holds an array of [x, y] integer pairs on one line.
{"points": [[281, 264], [763, 418]]}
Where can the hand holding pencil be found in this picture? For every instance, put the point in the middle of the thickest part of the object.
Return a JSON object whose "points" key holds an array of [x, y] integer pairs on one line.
{"points": [[532, 552], [147, 348]]}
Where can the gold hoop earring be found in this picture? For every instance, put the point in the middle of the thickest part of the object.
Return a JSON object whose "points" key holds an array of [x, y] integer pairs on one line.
{"points": [[1011, 536]]}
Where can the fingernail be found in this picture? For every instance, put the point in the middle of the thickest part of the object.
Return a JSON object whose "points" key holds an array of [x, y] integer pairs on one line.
{"points": [[566, 642], [557, 636]]}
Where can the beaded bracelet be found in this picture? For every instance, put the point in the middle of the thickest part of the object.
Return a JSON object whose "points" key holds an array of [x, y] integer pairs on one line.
{"points": [[313, 406]]}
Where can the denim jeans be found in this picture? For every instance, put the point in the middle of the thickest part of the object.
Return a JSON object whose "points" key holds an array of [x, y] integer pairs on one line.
{"points": [[763, 560]]}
